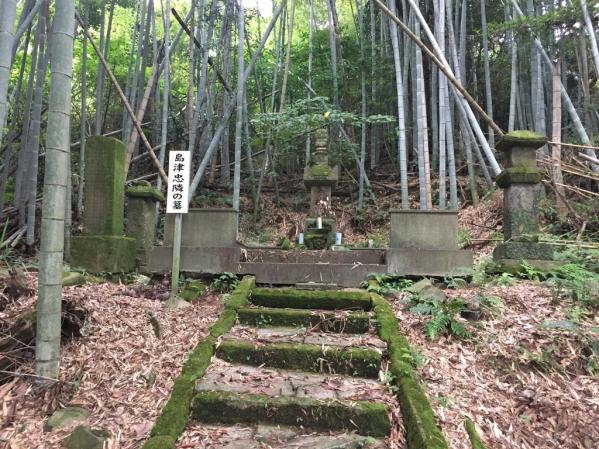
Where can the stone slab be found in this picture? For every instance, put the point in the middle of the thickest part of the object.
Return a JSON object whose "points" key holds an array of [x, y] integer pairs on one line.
{"points": [[278, 437], [303, 335], [205, 228], [103, 254], [414, 262], [344, 275], [429, 230], [274, 255], [194, 259]]}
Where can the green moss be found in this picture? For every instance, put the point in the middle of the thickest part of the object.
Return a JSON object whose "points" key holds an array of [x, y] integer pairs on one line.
{"points": [[367, 418], [305, 299], [192, 291], [160, 442], [320, 170], [350, 361], [352, 323], [103, 253], [145, 192], [419, 418], [71, 278], [175, 414], [475, 439], [224, 323], [519, 175]]}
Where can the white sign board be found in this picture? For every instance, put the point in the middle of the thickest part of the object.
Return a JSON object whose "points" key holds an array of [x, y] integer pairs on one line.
{"points": [[177, 199]]}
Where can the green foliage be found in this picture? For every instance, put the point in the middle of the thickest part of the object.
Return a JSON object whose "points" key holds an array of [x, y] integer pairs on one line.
{"points": [[464, 238], [226, 282], [385, 284], [442, 316], [493, 304]]}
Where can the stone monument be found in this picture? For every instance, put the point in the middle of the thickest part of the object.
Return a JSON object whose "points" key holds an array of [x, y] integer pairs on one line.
{"points": [[142, 218], [321, 178], [103, 247], [519, 181]]}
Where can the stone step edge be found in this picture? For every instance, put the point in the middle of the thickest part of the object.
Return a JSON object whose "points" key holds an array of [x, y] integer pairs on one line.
{"points": [[308, 299], [325, 321], [366, 418], [359, 362]]}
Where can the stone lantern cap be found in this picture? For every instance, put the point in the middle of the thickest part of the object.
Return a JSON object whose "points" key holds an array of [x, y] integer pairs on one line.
{"points": [[520, 149]]}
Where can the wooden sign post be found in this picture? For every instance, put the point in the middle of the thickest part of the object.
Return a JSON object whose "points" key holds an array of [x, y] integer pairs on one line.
{"points": [[177, 202]]}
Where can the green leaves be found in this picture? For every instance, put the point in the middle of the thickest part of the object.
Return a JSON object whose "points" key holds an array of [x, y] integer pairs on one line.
{"points": [[443, 316]]}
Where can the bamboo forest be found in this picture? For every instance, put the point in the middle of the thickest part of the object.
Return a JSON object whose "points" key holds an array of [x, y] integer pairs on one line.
{"points": [[324, 224]]}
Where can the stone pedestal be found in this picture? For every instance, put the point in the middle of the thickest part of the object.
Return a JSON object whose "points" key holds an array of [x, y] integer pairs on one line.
{"points": [[142, 217], [426, 243], [519, 180], [103, 247]]}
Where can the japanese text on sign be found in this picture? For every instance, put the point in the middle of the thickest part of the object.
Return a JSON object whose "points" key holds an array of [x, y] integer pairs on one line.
{"points": [[178, 182]]}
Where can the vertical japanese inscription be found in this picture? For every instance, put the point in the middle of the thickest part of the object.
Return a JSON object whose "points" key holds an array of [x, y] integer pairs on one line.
{"points": [[178, 182]]}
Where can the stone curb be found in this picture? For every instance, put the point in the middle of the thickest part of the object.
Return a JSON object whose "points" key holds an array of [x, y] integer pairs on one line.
{"points": [[419, 419], [174, 417]]}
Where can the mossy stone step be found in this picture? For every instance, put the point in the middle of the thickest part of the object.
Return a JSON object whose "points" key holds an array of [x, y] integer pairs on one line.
{"points": [[306, 299], [261, 436], [244, 379], [365, 418], [359, 362], [321, 320], [266, 335]]}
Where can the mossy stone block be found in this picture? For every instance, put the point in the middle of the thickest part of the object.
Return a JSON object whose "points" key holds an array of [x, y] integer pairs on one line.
{"points": [[66, 416], [103, 253], [84, 437], [524, 251], [350, 361], [366, 418], [520, 148], [104, 186], [475, 440], [519, 175], [149, 192], [192, 291], [351, 323], [305, 299], [71, 278]]}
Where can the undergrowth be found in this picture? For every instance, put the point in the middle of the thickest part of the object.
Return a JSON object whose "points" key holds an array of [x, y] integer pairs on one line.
{"points": [[442, 315]]}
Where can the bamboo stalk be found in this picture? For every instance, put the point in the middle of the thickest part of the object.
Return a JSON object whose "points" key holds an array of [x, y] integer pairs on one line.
{"points": [[136, 123]]}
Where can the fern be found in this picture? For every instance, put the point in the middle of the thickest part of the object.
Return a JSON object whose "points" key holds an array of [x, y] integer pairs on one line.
{"points": [[424, 308], [437, 325]]}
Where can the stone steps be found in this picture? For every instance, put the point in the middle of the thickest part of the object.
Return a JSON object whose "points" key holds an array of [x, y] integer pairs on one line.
{"points": [[320, 320], [282, 367], [281, 437]]}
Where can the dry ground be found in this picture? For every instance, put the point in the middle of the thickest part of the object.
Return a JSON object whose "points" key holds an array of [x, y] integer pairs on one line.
{"points": [[119, 370]]}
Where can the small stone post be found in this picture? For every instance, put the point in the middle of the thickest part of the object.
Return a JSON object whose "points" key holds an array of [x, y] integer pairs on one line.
{"points": [[520, 209], [142, 217], [103, 247]]}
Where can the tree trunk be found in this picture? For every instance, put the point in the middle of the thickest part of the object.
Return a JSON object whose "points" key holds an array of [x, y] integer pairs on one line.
{"points": [[240, 104], [55, 189], [7, 23], [556, 137]]}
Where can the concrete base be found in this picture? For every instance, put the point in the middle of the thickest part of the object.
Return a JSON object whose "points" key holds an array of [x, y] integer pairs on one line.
{"points": [[204, 228], [103, 253], [420, 262], [194, 260], [421, 229], [274, 255], [344, 275]]}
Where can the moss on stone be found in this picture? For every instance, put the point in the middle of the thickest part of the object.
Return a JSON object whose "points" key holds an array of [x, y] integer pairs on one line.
{"points": [[367, 418], [305, 299], [419, 419], [320, 170], [351, 361], [224, 323], [519, 175], [352, 323], [521, 138], [524, 251], [71, 278], [103, 253], [192, 291], [160, 442], [475, 440], [145, 192], [175, 414]]}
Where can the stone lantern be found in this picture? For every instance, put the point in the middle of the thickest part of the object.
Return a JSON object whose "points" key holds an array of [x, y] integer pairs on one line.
{"points": [[519, 181]]}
